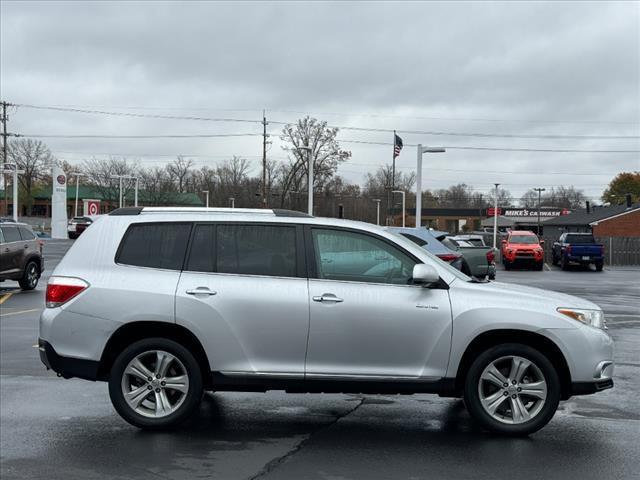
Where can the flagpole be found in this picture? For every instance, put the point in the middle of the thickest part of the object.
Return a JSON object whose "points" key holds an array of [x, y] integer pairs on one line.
{"points": [[393, 169]]}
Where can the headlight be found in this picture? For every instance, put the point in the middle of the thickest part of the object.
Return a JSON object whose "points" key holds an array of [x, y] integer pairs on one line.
{"points": [[593, 318]]}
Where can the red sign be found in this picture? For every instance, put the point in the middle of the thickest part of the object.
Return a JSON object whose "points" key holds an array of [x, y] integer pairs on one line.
{"points": [[491, 211], [92, 207]]}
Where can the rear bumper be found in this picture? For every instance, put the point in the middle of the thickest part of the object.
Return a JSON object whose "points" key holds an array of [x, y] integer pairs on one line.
{"points": [[590, 259], [67, 367]]}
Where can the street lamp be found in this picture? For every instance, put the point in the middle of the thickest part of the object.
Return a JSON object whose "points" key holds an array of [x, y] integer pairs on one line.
{"points": [[422, 150], [539, 190], [207, 193], [14, 170], [310, 180], [128, 177], [77, 175], [233, 202], [403, 203], [377, 200], [495, 216]]}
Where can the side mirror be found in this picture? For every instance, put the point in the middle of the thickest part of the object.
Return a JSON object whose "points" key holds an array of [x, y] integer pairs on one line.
{"points": [[504, 242], [541, 242], [424, 274]]}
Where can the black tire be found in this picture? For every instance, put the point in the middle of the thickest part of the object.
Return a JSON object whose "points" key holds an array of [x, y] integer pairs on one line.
{"points": [[539, 266], [554, 260], [507, 265], [564, 264], [492, 276], [599, 266], [472, 396], [192, 397], [30, 277]]}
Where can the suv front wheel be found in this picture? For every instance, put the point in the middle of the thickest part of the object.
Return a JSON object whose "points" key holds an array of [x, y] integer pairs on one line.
{"points": [[155, 383], [30, 277], [512, 389]]}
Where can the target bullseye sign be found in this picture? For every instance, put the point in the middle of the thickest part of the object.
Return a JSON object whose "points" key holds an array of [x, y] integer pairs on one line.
{"points": [[92, 207]]}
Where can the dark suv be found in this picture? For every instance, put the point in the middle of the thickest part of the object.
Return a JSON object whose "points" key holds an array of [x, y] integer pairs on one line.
{"points": [[20, 255]]}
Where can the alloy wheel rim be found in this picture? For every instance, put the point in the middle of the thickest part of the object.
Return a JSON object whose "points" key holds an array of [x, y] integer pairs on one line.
{"points": [[32, 275], [155, 384], [512, 390]]}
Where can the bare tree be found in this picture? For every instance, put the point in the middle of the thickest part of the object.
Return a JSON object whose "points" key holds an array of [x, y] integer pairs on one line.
{"points": [[325, 154], [34, 158], [179, 172], [99, 174]]}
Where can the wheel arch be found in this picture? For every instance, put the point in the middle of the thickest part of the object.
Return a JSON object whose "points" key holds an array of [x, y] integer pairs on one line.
{"points": [[134, 331], [36, 258], [492, 338]]}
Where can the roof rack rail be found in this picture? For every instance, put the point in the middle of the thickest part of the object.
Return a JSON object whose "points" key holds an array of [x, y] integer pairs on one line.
{"points": [[281, 212], [126, 211]]}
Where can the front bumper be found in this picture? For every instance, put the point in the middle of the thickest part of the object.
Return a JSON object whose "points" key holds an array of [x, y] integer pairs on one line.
{"points": [[67, 367]]}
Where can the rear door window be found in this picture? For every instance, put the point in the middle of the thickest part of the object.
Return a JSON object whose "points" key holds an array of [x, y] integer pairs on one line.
{"points": [[10, 234], [155, 245], [26, 234]]}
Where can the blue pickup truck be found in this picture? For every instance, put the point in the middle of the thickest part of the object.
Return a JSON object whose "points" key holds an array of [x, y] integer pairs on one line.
{"points": [[578, 248]]}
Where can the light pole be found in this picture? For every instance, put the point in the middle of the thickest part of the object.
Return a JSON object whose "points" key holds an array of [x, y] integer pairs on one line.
{"points": [[422, 150], [207, 193], [14, 170], [128, 177], [310, 180], [377, 200], [233, 202], [539, 190], [495, 216], [77, 175], [403, 204]]}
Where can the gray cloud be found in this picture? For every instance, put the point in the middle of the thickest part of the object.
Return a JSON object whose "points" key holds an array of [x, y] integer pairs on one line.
{"points": [[530, 64]]}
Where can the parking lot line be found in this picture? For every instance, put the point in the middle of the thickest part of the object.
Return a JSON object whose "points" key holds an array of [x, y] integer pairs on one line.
{"points": [[5, 297], [20, 312]]}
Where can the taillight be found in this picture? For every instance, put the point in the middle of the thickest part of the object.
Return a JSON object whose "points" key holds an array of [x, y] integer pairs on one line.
{"points": [[567, 249], [491, 256], [41, 245], [62, 289], [602, 250], [448, 257]]}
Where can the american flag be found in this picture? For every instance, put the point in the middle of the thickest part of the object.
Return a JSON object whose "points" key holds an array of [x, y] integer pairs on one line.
{"points": [[397, 146]]}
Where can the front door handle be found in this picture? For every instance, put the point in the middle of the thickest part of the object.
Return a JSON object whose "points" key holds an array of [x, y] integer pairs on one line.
{"points": [[328, 298], [201, 291]]}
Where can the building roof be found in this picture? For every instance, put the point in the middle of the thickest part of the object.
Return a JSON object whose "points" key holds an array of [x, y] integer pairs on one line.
{"points": [[581, 217], [90, 192]]}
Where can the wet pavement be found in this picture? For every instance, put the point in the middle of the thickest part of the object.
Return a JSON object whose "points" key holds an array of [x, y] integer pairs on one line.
{"points": [[53, 428]]}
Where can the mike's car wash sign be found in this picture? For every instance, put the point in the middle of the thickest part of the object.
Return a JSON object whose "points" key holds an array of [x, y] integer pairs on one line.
{"points": [[527, 212]]}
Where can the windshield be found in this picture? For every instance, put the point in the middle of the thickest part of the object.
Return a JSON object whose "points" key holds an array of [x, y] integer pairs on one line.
{"points": [[403, 241], [526, 239]]}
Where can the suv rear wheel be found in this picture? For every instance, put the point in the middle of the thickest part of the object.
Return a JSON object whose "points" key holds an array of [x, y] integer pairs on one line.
{"points": [[512, 389], [30, 277], [155, 383]]}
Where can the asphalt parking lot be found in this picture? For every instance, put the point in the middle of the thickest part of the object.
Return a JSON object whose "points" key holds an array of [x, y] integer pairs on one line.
{"points": [[54, 428]]}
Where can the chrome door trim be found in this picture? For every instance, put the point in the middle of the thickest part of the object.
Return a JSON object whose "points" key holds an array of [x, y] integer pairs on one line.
{"points": [[360, 377]]}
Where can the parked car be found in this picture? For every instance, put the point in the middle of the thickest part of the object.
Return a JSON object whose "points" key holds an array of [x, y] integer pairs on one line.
{"points": [[20, 255], [479, 261], [430, 240], [578, 248], [474, 239], [77, 225], [524, 248], [178, 301]]}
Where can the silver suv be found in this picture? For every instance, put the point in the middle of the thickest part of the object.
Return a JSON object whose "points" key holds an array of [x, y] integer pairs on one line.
{"points": [[165, 303]]}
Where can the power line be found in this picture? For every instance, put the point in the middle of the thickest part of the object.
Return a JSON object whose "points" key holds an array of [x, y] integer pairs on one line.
{"points": [[220, 135]]}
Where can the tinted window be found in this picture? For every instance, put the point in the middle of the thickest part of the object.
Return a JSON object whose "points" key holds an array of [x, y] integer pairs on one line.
{"points": [[245, 249], [350, 256], [10, 234], [580, 239], [156, 245], [202, 256], [26, 234]]}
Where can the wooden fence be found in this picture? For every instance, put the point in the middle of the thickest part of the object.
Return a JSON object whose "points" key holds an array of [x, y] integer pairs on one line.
{"points": [[617, 250]]}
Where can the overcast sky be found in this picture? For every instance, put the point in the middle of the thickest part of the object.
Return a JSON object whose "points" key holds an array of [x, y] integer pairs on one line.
{"points": [[491, 68]]}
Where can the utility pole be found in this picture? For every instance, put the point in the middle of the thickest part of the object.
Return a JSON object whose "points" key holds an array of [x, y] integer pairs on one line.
{"points": [[495, 216], [264, 160], [539, 190]]}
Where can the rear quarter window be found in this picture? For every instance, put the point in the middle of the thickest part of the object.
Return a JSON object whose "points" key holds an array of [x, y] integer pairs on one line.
{"points": [[155, 245], [26, 234]]}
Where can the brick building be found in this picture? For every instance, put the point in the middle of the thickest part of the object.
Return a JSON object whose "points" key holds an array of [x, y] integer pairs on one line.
{"points": [[610, 221]]}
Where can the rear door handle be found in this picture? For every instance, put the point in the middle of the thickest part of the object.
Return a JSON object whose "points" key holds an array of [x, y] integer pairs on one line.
{"points": [[327, 298], [201, 291]]}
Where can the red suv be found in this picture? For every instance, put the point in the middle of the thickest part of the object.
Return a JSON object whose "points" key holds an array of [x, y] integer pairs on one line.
{"points": [[522, 247]]}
